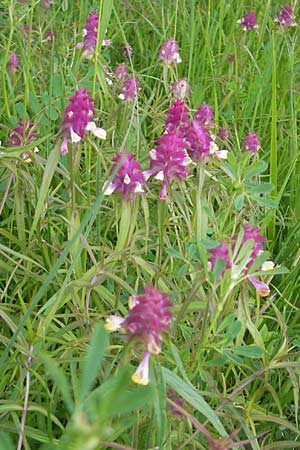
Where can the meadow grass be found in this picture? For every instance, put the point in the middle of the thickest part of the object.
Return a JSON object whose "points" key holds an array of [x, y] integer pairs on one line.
{"points": [[71, 256]]}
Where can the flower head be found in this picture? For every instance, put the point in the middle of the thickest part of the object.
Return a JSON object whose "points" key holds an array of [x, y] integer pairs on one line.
{"points": [[127, 50], [129, 179], [169, 53], [78, 119], [198, 140], [121, 71], [149, 318], [204, 115], [169, 160], [224, 134], [50, 35], [252, 142], [177, 117], [130, 90], [23, 134], [248, 22], [285, 17], [90, 33], [13, 62], [181, 89]]}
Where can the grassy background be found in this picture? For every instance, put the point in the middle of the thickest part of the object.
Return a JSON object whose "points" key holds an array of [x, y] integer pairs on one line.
{"points": [[54, 242]]}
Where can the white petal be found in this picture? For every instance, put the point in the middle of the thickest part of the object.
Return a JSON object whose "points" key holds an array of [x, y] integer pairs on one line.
{"points": [[222, 154], [121, 96], [138, 188], [113, 323], [91, 126], [267, 265], [127, 179], [153, 154], [160, 176], [75, 138], [213, 148], [108, 188]]}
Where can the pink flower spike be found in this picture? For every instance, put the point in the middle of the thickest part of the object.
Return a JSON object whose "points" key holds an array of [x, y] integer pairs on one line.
{"points": [[177, 117], [90, 33], [13, 62], [130, 90], [224, 134], [181, 89], [141, 375], [205, 115], [129, 180], [252, 142], [149, 318], [169, 53], [286, 16], [261, 288], [198, 141], [169, 160], [248, 22], [121, 71]]}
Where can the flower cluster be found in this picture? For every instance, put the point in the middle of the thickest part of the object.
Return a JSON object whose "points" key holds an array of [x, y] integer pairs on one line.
{"points": [[205, 115], [252, 142], [78, 119], [13, 62], [121, 71], [129, 179], [169, 53], [130, 90], [248, 22], [169, 160], [23, 134], [148, 318], [222, 252], [285, 17], [90, 32], [177, 117]]}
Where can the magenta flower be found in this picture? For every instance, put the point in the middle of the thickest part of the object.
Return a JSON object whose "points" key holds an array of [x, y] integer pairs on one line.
{"points": [[198, 141], [78, 119], [127, 50], [90, 33], [224, 134], [13, 62], [169, 160], [177, 117], [181, 89], [23, 134], [252, 142], [121, 71], [129, 179], [222, 252], [50, 35], [286, 16], [169, 53], [248, 22], [149, 318], [204, 115], [130, 90]]}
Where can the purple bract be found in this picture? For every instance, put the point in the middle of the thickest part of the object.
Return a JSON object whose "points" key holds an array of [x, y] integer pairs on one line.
{"points": [[252, 142], [177, 117], [248, 22], [130, 90], [169, 53], [286, 16], [198, 141], [205, 115]]}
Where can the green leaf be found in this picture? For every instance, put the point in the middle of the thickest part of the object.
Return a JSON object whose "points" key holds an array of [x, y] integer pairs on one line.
{"points": [[60, 381], [192, 396], [239, 202], [260, 188], [255, 169], [249, 351], [93, 360], [47, 177], [5, 442]]}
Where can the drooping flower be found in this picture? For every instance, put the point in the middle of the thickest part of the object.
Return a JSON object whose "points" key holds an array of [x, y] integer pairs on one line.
{"points": [[13, 62], [205, 115], [181, 89], [177, 117], [141, 375], [129, 179], [222, 252], [252, 142], [169, 160], [127, 50], [90, 33], [78, 119], [198, 141], [169, 53], [224, 134], [286, 17], [121, 71], [23, 134], [248, 22], [130, 90]]}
